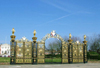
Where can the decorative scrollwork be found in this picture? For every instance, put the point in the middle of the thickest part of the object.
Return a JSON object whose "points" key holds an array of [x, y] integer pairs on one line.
{"points": [[52, 35]]}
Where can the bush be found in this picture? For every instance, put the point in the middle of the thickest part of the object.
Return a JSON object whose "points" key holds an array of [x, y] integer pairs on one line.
{"points": [[99, 57], [53, 55], [92, 55], [88, 55], [92, 52]]}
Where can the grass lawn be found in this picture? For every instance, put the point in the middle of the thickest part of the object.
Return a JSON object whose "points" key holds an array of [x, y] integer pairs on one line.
{"points": [[7, 60], [53, 60], [4, 59]]}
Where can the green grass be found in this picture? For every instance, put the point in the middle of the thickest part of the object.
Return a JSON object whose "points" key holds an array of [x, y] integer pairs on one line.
{"points": [[4, 59], [57, 60], [48, 60], [53, 60], [95, 53]]}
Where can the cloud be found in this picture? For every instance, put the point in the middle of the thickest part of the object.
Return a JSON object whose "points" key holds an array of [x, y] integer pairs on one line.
{"points": [[56, 19], [65, 8], [57, 6], [60, 18], [68, 7]]}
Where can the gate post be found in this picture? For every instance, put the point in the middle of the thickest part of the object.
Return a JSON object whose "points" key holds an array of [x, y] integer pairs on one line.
{"points": [[12, 55], [70, 58], [85, 49], [34, 47]]}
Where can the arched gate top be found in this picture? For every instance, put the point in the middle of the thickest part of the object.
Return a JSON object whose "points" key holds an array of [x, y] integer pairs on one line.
{"points": [[53, 34]]}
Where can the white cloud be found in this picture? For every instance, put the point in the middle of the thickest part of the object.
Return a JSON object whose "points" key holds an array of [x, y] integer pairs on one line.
{"points": [[57, 6]]}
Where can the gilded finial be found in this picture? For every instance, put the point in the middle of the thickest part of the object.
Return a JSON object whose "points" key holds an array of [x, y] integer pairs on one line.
{"points": [[12, 60], [34, 33], [84, 37], [70, 36], [13, 30]]}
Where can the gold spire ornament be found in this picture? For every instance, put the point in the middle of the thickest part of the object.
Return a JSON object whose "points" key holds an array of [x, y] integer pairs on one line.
{"points": [[13, 36], [34, 33], [34, 38], [70, 41], [84, 37], [70, 36], [85, 42], [12, 60], [13, 30]]}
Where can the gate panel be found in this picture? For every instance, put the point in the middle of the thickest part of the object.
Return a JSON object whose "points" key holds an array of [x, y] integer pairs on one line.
{"points": [[80, 52], [75, 52], [28, 52], [19, 52], [64, 52], [27, 60], [23, 52], [19, 60], [40, 52]]}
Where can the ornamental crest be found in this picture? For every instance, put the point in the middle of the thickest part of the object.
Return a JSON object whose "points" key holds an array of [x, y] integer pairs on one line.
{"points": [[24, 39], [53, 33]]}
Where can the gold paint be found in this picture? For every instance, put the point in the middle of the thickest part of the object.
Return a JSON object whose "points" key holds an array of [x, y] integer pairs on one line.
{"points": [[13, 30], [12, 60], [34, 33], [70, 36], [27, 49], [84, 37], [34, 60], [64, 50]]}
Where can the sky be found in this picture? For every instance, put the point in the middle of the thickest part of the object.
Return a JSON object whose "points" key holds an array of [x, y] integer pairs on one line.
{"points": [[78, 17]]}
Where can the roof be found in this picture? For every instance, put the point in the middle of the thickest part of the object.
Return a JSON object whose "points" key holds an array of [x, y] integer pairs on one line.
{"points": [[5, 45]]}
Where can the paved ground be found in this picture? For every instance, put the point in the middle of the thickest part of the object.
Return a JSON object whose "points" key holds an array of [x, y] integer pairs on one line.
{"points": [[82, 65]]}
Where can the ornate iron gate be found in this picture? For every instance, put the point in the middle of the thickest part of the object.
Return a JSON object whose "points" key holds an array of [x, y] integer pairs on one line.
{"points": [[41, 52], [64, 52], [24, 51], [77, 52]]}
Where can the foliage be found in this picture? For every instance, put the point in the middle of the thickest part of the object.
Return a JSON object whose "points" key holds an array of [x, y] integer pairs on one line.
{"points": [[95, 42], [56, 45], [4, 59], [92, 52], [99, 57], [93, 55], [52, 56], [88, 55]]}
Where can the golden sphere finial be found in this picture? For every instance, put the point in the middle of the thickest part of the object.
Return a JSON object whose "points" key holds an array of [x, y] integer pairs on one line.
{"points": [[70, 36], [84, 37], [13, 30], [34, 33]]}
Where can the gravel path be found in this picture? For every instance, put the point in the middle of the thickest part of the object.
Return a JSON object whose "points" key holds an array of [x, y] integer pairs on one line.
{"points": [[82, 65]]}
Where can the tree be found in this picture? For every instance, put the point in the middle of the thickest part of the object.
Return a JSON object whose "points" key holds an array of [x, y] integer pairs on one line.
{"points": [[95, 42], [76, 39]]}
